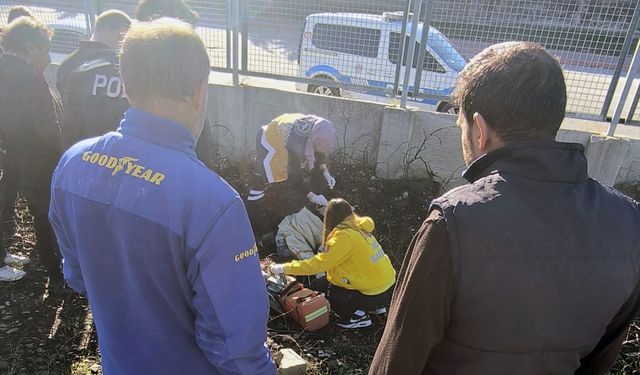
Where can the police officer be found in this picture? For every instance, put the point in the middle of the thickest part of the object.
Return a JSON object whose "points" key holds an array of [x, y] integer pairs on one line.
{"points": [[91, 88], [89, 82]]}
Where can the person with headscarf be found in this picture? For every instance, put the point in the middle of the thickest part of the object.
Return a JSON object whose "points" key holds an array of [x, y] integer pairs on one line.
{"points": [[291, 148]]}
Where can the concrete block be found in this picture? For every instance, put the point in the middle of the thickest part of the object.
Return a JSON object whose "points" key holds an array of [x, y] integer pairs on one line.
{"points": [[434, 147], [605, 157], [395, 133], [574, 136], [290, 363], [227, 113], [630, 170]]}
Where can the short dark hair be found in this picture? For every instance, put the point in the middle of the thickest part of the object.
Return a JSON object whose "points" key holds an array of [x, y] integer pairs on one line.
{"points": [[519, 89], [112, 20], [148, 10], [24, 32], [163, 58], [18, 11]]}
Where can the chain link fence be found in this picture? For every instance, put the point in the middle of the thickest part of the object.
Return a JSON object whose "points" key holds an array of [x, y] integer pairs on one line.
{"points": [[361, 49], [71, 21]]}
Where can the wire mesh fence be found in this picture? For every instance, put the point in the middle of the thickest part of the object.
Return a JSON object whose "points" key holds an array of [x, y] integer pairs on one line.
{"points": [[66, 18], [588, 38], [70, 21], [359, 43], [361, 48]]}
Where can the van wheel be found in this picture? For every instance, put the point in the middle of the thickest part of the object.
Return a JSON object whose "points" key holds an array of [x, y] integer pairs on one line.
{"points": [[323, 90], [448, 108]]}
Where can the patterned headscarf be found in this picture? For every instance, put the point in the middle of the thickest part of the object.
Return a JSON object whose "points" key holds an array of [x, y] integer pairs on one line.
{"points": [[322, 139]]}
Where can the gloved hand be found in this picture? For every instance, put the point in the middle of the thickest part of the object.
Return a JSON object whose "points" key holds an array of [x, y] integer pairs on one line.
{"points": [[318, 199], [276, 269], [331, 182]]}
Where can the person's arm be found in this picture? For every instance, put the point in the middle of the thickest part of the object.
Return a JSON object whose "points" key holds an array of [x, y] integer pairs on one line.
{"points": [[230, 297], [43, 117], [70, 265], [339, 248], [603, 356], [421, 305]]}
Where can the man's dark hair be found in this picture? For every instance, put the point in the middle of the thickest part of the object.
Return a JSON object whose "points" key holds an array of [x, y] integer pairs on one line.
{"points": [[112, 20], [148, 10], [18, 11], [24, 32], [518, 88]]}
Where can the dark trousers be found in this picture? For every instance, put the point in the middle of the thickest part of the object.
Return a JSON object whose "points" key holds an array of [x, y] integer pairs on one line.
{"points": [[345, 302], [35, 188], [46, 245]]}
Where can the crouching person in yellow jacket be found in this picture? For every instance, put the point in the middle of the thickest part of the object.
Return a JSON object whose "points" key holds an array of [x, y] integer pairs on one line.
{"points": [[360, 276]]}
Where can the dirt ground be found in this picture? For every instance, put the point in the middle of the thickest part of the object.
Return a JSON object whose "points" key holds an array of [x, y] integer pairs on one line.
{"points": [[46, 330]]}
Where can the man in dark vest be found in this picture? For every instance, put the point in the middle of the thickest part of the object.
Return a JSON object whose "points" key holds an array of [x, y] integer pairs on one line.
{"points": [[532, 267]]}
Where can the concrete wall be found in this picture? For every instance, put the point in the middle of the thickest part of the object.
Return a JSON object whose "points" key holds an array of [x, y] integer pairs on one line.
{"points": [[396, 142]]}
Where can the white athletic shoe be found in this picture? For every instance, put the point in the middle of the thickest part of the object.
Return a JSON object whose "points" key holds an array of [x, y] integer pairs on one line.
{"points": [[16, 260], [378, 311], [359, 319], [8, 273]]}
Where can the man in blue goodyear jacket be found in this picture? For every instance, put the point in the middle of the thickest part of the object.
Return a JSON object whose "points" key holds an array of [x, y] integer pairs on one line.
{"points": [[161, 246]]}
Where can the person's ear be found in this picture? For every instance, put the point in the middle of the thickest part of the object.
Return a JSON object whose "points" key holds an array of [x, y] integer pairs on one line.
{"points": [[199, 95], [481, 132]]}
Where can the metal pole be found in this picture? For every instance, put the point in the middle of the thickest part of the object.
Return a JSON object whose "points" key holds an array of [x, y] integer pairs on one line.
{"points": [[244, 30], [234, 49], [423, 47], [405, 18], [89, 15], [626, 47], [415, 19], [633, 69], [634, 106], [228, 32]]}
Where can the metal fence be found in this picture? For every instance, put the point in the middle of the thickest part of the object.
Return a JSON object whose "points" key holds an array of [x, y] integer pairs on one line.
{"points": [[360, 48]]}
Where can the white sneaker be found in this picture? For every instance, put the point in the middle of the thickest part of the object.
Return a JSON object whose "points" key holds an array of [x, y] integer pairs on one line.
{"points": [[359, 319], [378, 311], [16, 260], [8, 273]]}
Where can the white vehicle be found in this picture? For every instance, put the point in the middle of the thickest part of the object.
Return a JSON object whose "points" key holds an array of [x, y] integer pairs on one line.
{"points": [[364, 49]]}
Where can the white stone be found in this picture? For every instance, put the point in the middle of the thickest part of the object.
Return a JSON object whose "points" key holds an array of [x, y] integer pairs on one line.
{"points": [[291, 363]]}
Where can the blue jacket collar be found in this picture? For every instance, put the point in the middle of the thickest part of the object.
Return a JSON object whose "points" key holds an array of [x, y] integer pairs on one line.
{"points": [[158, 130]]}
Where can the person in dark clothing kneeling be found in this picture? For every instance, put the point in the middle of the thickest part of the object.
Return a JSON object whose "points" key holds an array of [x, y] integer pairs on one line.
{"points": [[532, 267]]}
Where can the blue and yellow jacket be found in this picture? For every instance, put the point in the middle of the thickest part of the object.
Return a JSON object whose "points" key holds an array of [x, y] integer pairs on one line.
{"points": [[163, 249]]}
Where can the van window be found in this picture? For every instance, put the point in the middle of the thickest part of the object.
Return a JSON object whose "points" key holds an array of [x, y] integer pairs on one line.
{"points": [[353, 40], [430, 63]]}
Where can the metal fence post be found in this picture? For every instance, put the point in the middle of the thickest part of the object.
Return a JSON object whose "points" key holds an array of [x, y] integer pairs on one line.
{"points": [[405, 19], [626, 47], [633, 69], [423, 46], [233, 23], [89, 15], [244, 32], [229, 34], [415, 19], [634, 106]]}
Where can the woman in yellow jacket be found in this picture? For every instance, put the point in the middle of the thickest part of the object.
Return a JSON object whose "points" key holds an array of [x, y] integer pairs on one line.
{"points": [[360, 276]]}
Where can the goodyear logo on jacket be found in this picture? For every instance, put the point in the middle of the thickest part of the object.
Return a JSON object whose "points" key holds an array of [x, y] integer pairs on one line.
{"points": [[126, 165]]}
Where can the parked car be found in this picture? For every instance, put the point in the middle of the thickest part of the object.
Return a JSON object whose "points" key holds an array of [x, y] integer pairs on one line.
{"points": [[364, 50]]}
